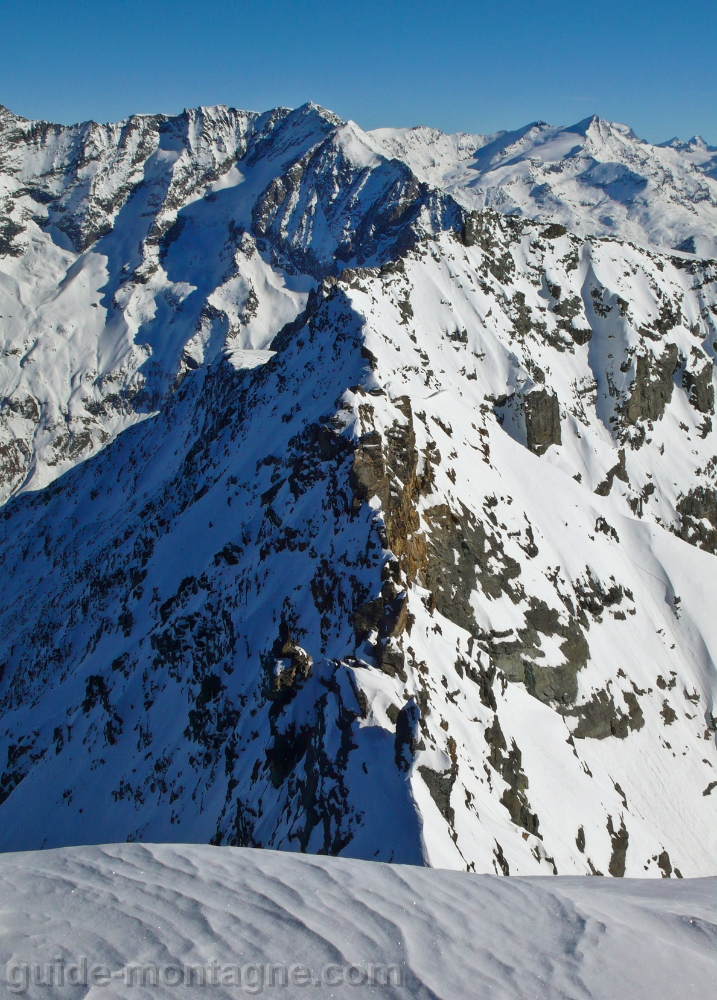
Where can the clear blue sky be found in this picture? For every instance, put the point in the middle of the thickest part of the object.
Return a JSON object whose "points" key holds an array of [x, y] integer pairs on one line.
{"points": [[469, 66]]}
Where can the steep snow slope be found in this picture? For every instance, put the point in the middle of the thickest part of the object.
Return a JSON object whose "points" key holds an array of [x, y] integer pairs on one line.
{"points": [[406, 591], [595, 177], [450, 934]]}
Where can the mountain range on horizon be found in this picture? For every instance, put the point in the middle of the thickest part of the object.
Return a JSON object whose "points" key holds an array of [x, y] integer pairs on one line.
{"points": [[359, 491]]}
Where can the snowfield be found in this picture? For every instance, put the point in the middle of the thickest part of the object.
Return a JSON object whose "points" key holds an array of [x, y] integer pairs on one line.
{"points": [[174, 911]]}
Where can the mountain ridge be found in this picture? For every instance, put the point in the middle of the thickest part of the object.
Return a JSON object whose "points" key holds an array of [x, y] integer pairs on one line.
{"points": [[393, 526], [634, 190]]}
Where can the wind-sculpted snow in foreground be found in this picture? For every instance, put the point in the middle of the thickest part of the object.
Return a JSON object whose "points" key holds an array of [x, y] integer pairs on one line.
{"points": [[121, 915]]}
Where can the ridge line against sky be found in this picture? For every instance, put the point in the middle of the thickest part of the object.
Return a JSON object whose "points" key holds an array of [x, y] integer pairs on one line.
{"points": [[458, 67], [562, 127]]}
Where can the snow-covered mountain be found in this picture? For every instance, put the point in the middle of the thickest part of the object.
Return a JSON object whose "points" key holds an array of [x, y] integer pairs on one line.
{"points": [[174, 918], [399, 539], [130, 257], [595, 177], [128, 250]]}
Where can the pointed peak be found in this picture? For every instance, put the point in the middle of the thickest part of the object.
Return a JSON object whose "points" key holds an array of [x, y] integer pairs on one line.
{"points": [[310, 108], [582, 127], [693, 145], [697, 142], [596, 127], [8, 117]]}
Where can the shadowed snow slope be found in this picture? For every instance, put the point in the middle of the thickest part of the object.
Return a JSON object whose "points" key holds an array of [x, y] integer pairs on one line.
{"points": [[453, 935]]}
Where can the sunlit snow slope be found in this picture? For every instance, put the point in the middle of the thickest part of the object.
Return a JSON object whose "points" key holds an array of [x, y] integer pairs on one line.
{"points": [[127, 251], [451, 934]]}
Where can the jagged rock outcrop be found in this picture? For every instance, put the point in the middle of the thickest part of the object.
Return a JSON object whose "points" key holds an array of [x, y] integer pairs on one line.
{"points": [[698, 513], [700, 388], [542, 420], [287, 664], [653, 385]]}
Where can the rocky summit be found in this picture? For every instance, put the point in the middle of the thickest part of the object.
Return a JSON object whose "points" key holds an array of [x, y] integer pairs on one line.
{"points": [[360, 491]]}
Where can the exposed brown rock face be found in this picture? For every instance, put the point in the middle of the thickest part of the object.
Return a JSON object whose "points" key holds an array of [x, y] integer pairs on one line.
{"points": [[517, 657], [385, 615], [287, 665], [620, 840], [388, 469], [407, 735], [600, 717], [479, 229], [568, 309], [440, 784], [367, 477], [13, 462], [402, 520], [616, 472], [508, 763], [461, 555]]}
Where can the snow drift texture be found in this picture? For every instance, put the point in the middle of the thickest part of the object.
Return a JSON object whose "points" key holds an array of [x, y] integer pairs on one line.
{"points": [[387, 521], [451, 934]]}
